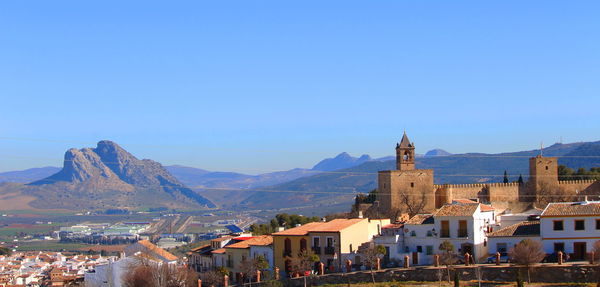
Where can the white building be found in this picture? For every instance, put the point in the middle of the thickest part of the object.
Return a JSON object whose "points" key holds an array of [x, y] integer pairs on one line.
{"points": [[466, 227], [465, 224], [571, 227], [506, 238]]}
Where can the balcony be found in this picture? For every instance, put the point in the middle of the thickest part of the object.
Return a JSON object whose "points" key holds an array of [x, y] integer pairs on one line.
{"points": [[330, 250], [316, 250]]}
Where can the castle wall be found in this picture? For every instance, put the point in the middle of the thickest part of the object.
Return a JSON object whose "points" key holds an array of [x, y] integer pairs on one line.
{"points": [[589, 188], [393, 184]]}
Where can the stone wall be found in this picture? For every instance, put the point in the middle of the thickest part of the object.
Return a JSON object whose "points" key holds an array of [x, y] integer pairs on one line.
{"points": [[543, 273]]}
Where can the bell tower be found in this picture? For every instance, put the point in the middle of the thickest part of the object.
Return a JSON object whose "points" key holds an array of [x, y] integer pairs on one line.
{"points": [[405, 154]]}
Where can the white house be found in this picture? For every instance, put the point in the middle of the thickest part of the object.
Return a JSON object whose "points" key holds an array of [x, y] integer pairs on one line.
{"points": [[463, 223], [465, 226], [571, 227], [506, 238], [420, 239]]}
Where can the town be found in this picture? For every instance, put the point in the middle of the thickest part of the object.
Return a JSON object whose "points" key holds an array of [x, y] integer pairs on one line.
{"points": [[479, 231]]}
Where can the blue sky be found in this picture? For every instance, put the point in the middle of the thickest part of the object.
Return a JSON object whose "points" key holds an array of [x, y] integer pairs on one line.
{"points": [[256, 86]]}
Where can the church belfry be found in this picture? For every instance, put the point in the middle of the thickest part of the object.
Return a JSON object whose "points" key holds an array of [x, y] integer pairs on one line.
{"points": [[405, 154]]}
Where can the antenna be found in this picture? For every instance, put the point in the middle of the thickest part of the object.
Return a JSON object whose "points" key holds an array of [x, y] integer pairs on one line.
{"points": [[541, 148]]}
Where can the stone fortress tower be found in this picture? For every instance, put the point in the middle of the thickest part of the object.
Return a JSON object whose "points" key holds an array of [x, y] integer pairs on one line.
{"points": [[406, 187]]}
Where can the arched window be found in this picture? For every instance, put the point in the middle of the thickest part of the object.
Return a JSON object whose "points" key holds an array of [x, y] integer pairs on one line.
{"points": [[302, 245], [287, 247], [406, 155]]}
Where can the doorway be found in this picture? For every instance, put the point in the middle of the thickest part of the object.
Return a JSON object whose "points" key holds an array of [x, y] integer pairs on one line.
{"points": [[579, 250]]}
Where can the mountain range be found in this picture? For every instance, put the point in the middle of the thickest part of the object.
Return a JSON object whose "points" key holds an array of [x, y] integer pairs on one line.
{"points": [[331, 181]]}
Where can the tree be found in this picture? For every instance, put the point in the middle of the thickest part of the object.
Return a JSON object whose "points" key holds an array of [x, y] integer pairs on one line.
{"points": [[527, 253], [448, 257], [148, 273], [249, 267], [552, 193], [303, 262], [211, 278], [373, 254], [5, 251], [520, 180], [414, 202], [505, 180]]}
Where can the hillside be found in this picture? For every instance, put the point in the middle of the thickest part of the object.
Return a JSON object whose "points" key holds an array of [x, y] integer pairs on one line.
{"points": [[28, 175], [109, 177], [458, 168]]}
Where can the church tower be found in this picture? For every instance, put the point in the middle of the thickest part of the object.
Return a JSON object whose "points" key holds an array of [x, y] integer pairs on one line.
{"points": [[405, 154]]}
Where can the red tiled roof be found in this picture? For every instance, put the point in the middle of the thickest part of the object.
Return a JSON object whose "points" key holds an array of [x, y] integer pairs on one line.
{"points": [[421, 219], [457, 210], [572, 209], [335, 225], [262, 240], [525, 228], [159, 251]]}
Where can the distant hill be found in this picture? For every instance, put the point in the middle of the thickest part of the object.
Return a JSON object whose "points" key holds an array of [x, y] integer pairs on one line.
{"points": [[437, 152], [28, 175], [458, 168], [109, 177], [341, 161]]}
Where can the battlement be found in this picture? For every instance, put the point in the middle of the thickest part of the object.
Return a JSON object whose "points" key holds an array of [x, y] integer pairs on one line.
{"points": [[584, 181], [476, 185]]}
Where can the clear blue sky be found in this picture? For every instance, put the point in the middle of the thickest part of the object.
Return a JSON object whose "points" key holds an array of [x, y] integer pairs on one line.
{"points": [[256, 86]]}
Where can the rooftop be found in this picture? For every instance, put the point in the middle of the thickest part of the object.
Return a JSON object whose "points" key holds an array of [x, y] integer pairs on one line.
{"points": [[524, 228], [330, 226], [572, 209], [421, 219], [457, 210], [157, 250], [262, 240]]}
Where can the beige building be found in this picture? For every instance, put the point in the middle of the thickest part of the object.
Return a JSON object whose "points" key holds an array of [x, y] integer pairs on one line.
{"points": [[238, 254], [333, 241]]}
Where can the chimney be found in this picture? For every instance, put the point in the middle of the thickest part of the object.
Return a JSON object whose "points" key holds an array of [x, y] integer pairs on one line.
{"points": [[360, 214]]}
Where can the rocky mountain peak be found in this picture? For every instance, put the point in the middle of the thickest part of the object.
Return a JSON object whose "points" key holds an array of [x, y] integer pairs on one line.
{"points": [[109, 167]]}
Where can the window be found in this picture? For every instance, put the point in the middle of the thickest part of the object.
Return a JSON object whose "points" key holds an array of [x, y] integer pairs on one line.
{"points": [[419, 248], [413, 233], [429, 249], [462, 228], [579, 225], [412, 184], [429, 233], [302, 244], [445, 229], [316, 242], [546, 167], [329, 241], [597, 223], [287, 247], [501, 247], [558, 225]]}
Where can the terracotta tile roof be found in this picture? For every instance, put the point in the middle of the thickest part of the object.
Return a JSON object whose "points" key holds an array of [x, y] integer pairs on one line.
{"points": [[159, 251], [199, 248], [262, 240], [421, 219], [330, 226], [457, 210], [393, 226], [484, 207], [300, 230], [572, 208], [219, 251], [525, 228], [336, 225], [221, 238]]}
